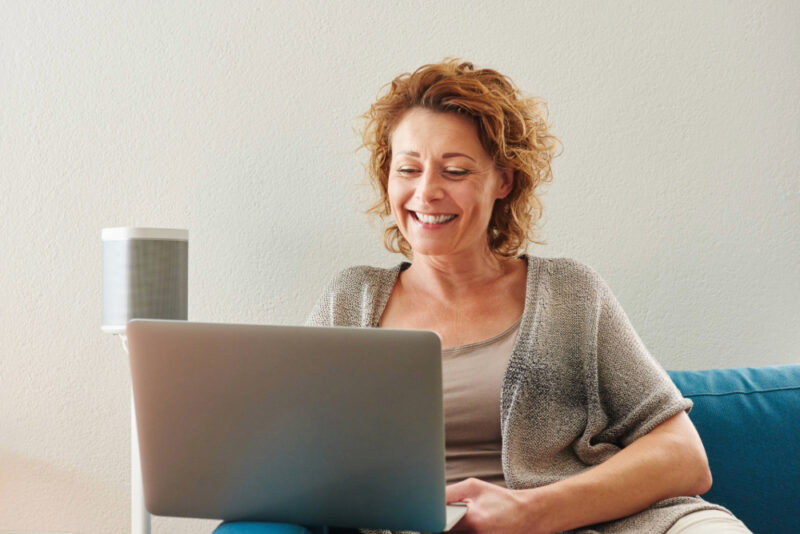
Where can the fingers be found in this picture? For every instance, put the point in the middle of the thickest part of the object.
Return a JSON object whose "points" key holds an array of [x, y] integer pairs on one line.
{"points": [[466, 490]]}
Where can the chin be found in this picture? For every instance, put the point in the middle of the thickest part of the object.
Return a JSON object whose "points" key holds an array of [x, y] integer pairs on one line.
{"points": [[430, 249]]}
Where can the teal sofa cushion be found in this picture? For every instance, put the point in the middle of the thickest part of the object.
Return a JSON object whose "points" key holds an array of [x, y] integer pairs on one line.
{"points": [[250, 527], [749, 421]]}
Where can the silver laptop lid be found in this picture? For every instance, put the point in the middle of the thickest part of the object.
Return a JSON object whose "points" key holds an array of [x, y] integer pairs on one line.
{"points": [[316, 426]]}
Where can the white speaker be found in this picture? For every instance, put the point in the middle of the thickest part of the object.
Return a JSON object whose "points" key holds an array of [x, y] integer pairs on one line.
{"points": [[145, 275]]}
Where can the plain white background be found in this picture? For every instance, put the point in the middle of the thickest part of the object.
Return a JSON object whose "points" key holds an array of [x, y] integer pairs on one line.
{"points": [[679, 183]]}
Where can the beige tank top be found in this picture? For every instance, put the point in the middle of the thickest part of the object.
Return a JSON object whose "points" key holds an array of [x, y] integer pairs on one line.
{"points": [[472, 376]]}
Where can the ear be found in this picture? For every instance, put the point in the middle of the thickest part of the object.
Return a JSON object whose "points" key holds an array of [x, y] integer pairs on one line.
{"points": [[506, 182]]}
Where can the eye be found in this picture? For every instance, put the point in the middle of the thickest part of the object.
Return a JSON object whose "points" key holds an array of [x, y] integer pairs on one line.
{"points": [[406, 170], [456, 172]]}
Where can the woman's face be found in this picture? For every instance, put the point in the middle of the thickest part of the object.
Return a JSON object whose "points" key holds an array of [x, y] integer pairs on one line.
{"points": [[442, 183]]}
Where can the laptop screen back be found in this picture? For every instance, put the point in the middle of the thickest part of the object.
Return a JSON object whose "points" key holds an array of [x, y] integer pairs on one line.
{"points": [[308, 425]]}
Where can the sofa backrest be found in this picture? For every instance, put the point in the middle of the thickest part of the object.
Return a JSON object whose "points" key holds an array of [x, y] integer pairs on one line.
{"points": [[749, 421]]}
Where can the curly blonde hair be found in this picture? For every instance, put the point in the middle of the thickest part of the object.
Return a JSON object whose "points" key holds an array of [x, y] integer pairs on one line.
{"points": [[512, 129]]}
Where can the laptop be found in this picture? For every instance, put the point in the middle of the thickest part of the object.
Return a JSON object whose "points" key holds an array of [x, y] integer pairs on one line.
{"points": [[319, 426]]}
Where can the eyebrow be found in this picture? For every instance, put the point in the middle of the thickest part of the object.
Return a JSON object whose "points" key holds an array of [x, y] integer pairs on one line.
{"points": [[445, 156]]}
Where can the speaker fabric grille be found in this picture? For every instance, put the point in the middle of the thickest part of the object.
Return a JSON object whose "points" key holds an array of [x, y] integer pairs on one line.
{"points": [[144, 279]]}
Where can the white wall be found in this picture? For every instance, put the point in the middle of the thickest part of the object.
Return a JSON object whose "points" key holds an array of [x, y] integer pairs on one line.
{"points": [[679, 183]]}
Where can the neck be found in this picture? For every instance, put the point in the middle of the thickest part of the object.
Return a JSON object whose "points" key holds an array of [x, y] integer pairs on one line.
{"points": [[452, 275]]}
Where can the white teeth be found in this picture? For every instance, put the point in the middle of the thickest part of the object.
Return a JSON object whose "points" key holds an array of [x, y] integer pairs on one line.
{"points": [[434, 219]]}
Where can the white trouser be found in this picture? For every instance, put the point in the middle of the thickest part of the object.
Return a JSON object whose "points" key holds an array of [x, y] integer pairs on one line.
{"points": [[708, 522]]}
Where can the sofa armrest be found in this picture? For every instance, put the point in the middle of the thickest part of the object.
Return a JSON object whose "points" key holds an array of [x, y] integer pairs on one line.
{"points": [[749, 421]]}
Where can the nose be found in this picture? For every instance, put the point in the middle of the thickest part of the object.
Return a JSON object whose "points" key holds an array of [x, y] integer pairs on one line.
{"points": [[429, 186]]}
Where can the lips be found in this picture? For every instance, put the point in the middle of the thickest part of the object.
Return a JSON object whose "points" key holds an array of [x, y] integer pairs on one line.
{"points": [[433, 218]]}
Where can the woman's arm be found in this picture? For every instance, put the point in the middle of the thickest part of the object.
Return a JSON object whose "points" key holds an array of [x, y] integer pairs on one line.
{"points": [[669, 461]]}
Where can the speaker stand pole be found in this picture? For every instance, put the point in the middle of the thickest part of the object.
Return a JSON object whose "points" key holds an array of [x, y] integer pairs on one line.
{"points": [[140, 517]]}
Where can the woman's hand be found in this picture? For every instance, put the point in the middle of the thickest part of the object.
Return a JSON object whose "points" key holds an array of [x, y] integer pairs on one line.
{"points": [[491, 508]]}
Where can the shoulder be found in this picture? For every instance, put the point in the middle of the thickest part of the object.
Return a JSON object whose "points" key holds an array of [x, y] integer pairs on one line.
{"points": [[351, 296], [572, 291], [566, 291], [568, 274], [359, 276]]}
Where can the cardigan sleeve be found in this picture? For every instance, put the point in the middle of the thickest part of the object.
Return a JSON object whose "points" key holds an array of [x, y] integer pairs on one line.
{"points": [[350, 298], [333, 307], [634, 391], [322, 312]]}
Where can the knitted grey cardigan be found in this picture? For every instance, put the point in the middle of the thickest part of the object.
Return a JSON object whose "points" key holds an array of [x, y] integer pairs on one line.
{"points": [[580, 384]]}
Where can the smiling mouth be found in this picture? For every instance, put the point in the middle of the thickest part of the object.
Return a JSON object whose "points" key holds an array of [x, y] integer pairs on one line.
{"points": [[427, 218]]}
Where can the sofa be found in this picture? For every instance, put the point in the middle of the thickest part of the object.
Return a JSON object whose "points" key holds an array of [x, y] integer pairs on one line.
{"points": [[749, 420]]}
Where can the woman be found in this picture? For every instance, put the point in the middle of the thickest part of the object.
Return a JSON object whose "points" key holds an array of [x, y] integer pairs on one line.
{"points": [[556, 416]]}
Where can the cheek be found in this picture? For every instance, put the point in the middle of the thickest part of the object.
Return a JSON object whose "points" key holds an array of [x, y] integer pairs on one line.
{"points": [[391, 192], [396, 193], [473, 200]]}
